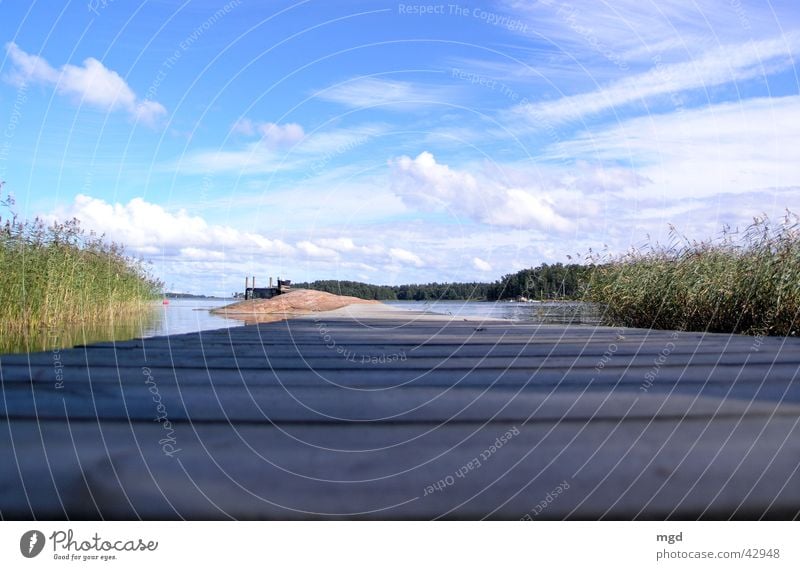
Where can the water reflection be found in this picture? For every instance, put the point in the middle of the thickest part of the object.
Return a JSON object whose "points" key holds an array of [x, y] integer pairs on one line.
{"points": [[65, 335], [192, 315], [179, 316]]}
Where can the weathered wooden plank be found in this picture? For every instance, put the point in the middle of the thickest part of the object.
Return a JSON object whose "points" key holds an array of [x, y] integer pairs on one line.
{"points": [[146, 401], [455, 327], [724, 468], [472, 332], [382, 376], [786, 351], [467, 349], [355, 361]]}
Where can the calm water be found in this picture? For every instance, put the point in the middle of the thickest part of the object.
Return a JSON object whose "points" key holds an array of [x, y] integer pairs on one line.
{"points": [[192, 315], [549, 312], [180, 316], [189, 315]]}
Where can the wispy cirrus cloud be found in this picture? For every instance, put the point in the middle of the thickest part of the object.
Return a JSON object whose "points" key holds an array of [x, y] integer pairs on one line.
{"points": [[280, 148], [272, 134], [91, 83], [627, 32], [729, 147], [361, 92], [719, 66]]}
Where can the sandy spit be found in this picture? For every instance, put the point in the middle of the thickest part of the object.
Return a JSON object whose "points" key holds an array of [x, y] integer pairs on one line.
{"points": [[294, 303]]}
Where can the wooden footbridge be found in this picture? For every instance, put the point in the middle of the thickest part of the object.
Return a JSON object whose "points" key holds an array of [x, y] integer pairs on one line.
{"points": [[369, 412]]}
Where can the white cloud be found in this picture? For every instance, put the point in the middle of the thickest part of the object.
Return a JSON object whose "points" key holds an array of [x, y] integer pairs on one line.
{"points": [[423, 183], [627, 31], [313, 250], [349, 254], [272, 134], [724, 64], [200, 256], [731, 147], [195, 253], [244, 126], [281, 148], [148, 229], [386, 93], [339, 244], [481, 265], [519, 208], [92, 83], [405, 257], [29, 67], [251, 159], [346, 245]]}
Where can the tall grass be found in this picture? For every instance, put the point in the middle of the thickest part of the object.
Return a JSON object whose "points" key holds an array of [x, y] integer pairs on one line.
{"points": [[745, 281], [56, 274]]}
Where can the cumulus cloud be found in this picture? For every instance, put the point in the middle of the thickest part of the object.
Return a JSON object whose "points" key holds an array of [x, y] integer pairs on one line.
{"points": [[91, 83], [422, 182], [148, 229], [272, 135], [189, 249]]}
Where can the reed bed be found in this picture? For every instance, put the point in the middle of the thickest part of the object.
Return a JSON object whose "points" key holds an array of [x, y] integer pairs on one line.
{"points": [[742, 282], [57, 275]]}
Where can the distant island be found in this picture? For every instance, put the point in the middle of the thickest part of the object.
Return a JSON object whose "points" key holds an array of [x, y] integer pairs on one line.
{"points": [[191, 296]]}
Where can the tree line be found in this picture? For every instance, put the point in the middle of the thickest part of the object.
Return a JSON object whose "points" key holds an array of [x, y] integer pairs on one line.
{"points": [[556, 281], [410, 292]]}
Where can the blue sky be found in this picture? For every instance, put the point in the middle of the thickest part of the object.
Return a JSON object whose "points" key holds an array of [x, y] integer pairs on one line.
{"points": [[396, 142]]}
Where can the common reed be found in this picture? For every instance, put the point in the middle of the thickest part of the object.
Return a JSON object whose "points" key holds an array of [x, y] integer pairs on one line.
{"points": [[744, 281], [56, 274]]}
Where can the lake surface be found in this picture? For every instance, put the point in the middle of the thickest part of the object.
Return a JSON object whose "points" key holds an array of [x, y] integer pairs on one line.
{"points": [[192, 315], [189, 315], [548, 312], [179, 316]]}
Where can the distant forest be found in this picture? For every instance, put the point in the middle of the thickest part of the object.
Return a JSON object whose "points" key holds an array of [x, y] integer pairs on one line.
{"points": [[557, 281]]}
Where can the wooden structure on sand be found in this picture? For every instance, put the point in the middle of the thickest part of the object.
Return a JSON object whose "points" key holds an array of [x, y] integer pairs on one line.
{"points": [[372, 413], [253, 292]]}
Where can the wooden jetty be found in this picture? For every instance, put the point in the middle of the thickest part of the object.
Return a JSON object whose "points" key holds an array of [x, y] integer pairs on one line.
{"points": [[373, 413]]}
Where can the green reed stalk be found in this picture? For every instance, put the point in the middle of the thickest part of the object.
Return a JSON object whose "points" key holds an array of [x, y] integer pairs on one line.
{"points": [[745, 282], [57, 274]]}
